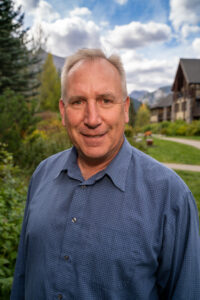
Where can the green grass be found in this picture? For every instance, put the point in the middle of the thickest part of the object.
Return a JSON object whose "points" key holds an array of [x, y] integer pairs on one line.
{"points": [[172, 152], [192, 179]]}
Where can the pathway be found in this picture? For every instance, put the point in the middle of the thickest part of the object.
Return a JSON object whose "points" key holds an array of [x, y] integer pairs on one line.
{"points": [[192, 168]]}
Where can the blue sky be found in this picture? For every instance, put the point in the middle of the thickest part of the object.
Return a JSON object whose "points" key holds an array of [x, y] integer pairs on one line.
{"points": [[149, 35]]}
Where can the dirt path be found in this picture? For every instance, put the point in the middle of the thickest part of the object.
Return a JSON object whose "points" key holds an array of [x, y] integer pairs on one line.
{"points": [[192, 143], [192, 168]]}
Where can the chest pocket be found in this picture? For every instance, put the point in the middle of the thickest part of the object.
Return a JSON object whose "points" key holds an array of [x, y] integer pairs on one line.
{"points": [[110, 257]]}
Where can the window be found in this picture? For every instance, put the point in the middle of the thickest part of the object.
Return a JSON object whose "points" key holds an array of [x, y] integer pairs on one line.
{"points": [[183, 106], [198, 102], [176, 107]]}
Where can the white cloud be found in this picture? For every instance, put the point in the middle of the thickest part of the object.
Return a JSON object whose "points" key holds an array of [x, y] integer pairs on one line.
{"points": [[45, 12], [135, 34], [187, 30], [80, 11], [148, 74], [67, 35], [27, 4], [121, 2], [184, 12], [196, 46], [40, 10]]}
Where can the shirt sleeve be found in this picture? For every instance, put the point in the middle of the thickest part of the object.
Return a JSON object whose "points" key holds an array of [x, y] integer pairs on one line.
{"points": [[18, 288], [179, 271]]}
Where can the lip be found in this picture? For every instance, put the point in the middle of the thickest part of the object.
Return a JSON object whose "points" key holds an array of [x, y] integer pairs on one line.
{"points": [[93, 135], [94, 140]]}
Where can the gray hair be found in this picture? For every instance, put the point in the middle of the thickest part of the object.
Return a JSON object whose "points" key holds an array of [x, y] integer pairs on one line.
{"points": [[91, 55]]}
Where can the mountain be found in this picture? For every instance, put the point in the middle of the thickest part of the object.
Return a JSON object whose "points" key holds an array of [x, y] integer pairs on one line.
{"points": [[152, 98], [137, 94], [136, 103]]}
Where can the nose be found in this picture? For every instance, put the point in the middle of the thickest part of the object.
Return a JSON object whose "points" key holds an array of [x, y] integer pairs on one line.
{"points": [[92, 117]]}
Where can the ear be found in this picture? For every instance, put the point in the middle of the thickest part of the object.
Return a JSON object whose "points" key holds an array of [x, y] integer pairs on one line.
{"points": [[126, 109], [62, 111]]}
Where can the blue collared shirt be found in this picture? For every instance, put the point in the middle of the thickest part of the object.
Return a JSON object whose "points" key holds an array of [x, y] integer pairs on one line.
{"points": [[129, 232]]}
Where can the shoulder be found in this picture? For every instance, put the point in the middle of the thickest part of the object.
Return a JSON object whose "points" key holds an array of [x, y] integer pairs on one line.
{"points": [[157, 176], [52, 166]]}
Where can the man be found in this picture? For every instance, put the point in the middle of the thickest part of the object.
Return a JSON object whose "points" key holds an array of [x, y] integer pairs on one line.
{"points": [[103, 220]]}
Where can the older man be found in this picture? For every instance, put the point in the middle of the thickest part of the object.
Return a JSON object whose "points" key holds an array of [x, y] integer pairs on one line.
{"points": [[103, 220]]}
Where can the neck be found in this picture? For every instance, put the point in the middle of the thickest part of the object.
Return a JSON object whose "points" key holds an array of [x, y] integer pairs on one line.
{"points": [[90, 167]]}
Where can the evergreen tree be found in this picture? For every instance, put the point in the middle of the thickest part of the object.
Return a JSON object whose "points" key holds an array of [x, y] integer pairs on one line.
{"points": [[50, 88], [18, 70], [132, 114]]}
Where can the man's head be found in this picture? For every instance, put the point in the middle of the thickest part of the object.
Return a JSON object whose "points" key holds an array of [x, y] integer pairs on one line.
{"points": [[91, 55], [94, 104]]}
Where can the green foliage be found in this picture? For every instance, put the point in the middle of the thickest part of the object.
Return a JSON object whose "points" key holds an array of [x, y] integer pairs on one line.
{"points": [[50, 88], [132, 114], [18, 70], [177, 128], [16, 120], [12, 201], [49, 138], [128, 131], [143, 116]]}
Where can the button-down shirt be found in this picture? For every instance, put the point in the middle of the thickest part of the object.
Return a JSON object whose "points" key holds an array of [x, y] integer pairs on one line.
{"points": [[129, 232]]}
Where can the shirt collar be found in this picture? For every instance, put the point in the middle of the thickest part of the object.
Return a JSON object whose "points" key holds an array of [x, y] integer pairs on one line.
{"points": [[116, 170]]}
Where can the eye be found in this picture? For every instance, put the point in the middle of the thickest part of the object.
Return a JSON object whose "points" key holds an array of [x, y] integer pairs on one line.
{"points": [[77, 102], [107, 101]]}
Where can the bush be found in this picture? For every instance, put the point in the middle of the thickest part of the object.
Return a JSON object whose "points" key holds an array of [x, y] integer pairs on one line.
{"points": [[177, 128], [128, 131], [50, 137], [16, 120], [12, 201]]}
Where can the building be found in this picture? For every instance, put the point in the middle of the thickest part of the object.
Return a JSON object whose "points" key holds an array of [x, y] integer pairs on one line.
{"points": [[161, 111], [186, 91]]}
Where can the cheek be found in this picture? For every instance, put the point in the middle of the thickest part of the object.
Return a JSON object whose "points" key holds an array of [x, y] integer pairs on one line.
{"points": [[73, 119]]}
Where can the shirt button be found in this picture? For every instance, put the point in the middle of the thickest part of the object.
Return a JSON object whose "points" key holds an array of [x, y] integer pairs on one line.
{"points": [[83, 186], [74, 220], [60, 296], [66, 257]]}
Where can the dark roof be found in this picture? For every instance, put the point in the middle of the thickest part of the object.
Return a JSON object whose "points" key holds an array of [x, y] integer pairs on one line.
{"points": [[191, 69], [163, 102]]}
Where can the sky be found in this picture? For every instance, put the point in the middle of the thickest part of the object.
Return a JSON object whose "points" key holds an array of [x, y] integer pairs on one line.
{"points": [[149, 35]]}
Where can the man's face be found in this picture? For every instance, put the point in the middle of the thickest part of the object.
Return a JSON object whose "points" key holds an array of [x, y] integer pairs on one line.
{"points": [[94, 112]]}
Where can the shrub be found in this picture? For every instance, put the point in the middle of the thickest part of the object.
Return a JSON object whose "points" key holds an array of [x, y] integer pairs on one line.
{"points": [[50, 137], [128, 131], [12, 201]]}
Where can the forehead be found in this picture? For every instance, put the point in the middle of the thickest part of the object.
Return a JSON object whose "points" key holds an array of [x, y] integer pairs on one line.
{"points": [[96, 76], [98, 67]]}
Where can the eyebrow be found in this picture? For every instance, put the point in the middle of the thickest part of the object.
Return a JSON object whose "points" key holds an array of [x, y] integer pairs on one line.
{"points": [[107, 95], [100, 96]]}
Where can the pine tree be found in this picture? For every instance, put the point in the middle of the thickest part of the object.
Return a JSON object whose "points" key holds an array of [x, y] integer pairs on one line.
{"points": [[132, 113], [50, 88], [18, 70]]}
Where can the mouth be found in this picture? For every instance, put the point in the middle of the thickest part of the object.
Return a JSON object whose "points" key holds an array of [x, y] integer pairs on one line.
{"points": [[93, 135], [94, 140]]}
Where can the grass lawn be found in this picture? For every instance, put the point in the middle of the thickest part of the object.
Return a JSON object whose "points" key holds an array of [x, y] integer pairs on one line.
{"points": [[172, 152], [192, 179]]}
